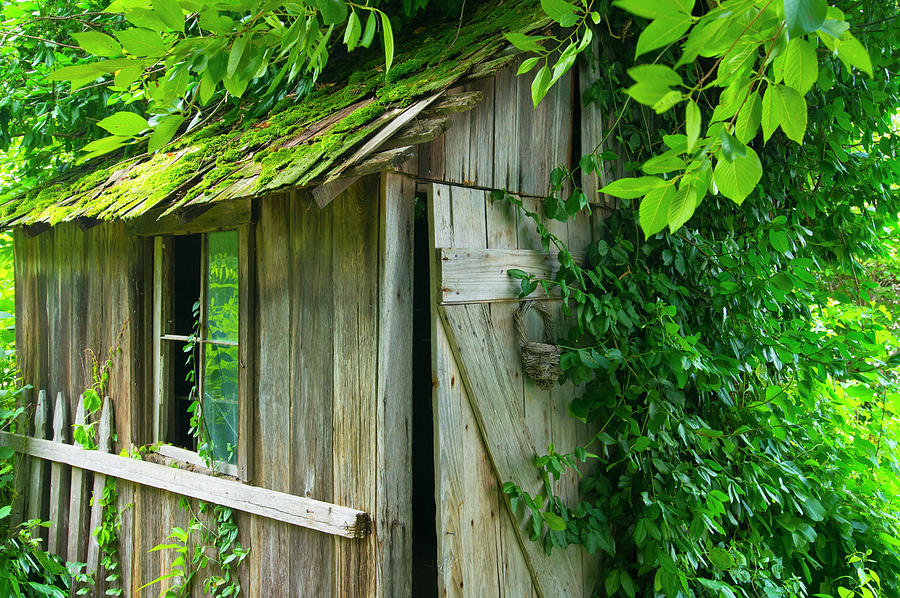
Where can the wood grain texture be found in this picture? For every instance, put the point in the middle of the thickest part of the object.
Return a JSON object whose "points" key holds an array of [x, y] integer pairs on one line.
{"points": [[78, 501], [104, 441], [247, 332], [311, 384], [393, 466], [225, 215], [59, 480], [355, 301], [36, 484]]}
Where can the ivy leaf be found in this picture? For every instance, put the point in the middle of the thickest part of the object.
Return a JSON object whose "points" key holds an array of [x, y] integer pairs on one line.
{"points": [[333, 11], [804, 16], [693, 122], [631, 188], [353, 32], [654, 210], [560, 11], [662, 31], [526, 43], [737, 178], [369, 33], [554, 521], [801, 68], [98, 44], [125, 124]]}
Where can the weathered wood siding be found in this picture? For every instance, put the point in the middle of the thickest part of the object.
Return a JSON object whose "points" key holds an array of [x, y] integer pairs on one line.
{"points": [[504, 143], [331, 387]]}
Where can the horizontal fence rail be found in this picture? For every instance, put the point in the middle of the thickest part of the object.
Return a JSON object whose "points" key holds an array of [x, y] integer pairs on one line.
{"points": [[71, 465]]}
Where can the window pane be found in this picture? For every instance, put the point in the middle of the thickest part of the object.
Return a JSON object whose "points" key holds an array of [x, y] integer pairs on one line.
{"points": [[185, 290], [222, 287], [220, 393]]}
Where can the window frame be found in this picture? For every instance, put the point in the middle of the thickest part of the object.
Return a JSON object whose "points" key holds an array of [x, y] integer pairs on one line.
{"points": [[163, 400]]}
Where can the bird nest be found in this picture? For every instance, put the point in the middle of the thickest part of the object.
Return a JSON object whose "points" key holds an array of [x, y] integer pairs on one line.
{"points": [[541, 359]]}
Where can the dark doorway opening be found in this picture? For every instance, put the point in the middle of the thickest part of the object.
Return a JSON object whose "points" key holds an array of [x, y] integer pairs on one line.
{"points": [[424, 512]]}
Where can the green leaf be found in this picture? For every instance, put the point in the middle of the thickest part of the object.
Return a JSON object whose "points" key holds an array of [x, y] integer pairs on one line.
{"points": [[779, 240], [736, 179], [844, 592], [79, 74], [667, 101], [353, 32], [792, 115], [692, 120], [748, 119], [540, 85], [804, 16], [731, 147], [664, 163], [388, 42], [125, 124], [526, 43], [5, 511], [126, 76], [853, 54], [98, 44], [144, 18], [631, 188], [655, 73], [682, 205], [769, 112], [654, 210], [142, 42], [783, 282], [164, 132], [801, 68], [554, 521], [662, 31], [211, 20], [333, 11], [236, 53], [527, 65], [560, 11], [648, 93], [653, 9], [611, 584], [721, 558], [641, 444], [369, 33], [101, 147], [170, 13]]}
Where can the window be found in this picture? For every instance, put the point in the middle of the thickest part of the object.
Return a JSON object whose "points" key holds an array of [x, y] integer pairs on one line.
{"points": [[197, 317]]}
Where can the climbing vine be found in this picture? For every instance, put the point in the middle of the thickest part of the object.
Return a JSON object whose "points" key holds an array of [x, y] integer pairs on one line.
{"points": [[741, 381]]}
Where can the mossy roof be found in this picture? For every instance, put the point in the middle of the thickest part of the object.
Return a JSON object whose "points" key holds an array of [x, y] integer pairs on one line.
{"points": [[299, 143]]}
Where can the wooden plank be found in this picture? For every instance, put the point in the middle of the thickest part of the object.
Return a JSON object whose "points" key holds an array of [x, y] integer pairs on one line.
{"points": [[394, 403], [221, 215], [273, 429], [493, 399], [355, 295], [247, 349], [36, 484], [465, 487], [104, 442], [280, 506], [312, 386], [481, 275], [453, 103], [77, 531], [22, 465], [59, 479], [419, 131], [162, 305]]}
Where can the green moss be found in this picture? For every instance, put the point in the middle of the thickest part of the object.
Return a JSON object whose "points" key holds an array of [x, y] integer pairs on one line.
{"points": [[423, 64]]}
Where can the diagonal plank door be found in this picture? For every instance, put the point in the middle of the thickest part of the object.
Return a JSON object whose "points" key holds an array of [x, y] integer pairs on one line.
{"points": [[494, 400]]}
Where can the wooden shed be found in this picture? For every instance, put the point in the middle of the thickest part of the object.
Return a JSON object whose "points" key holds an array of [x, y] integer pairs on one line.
{"points": [[357, 353]]}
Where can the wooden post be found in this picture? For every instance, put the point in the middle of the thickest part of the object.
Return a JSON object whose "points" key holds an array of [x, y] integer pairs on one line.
{"points": [[38, 473], [103, 445], [77, 494], [59, 482]]}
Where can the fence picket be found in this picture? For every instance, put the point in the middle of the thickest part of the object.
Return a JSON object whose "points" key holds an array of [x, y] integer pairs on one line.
{"points": [[103, 445], [24, 466], [39, 466], [79, 486], [59, 481]]}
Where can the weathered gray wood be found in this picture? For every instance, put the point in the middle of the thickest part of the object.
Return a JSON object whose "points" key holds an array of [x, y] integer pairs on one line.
{"points": [[312, 385], [493, 399], [247, 349], [465, 486], [325, 193], [77, 500], [36, 484], [479, 275], [355, 342], [22, 466], [59, 480], [419, 131], [220, 216], [162, 358], [393, 518], [393, 158], [104, 443], [453, 103], [279, 506]]}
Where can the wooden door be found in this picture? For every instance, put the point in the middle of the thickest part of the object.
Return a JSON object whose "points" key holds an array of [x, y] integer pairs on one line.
{"points": [[491, 421]]}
